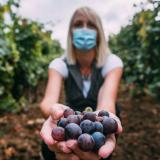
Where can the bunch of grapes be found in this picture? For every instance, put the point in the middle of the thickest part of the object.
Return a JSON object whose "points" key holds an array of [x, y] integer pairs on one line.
{"points": [[90, 130]]}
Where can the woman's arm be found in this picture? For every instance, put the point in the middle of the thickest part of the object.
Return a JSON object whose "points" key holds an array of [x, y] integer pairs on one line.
{"points": [[108, 92], [52, 92], [54, 111]]}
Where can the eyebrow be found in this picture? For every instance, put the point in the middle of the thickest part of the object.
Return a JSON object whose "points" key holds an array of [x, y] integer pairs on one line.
{"points": [[80, 20], [77, 20]]}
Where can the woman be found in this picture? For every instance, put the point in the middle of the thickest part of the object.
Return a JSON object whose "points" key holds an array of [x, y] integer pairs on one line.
{"points": [[91, 76]]}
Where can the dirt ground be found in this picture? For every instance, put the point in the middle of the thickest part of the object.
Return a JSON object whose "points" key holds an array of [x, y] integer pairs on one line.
{"points": [[20, 140]]}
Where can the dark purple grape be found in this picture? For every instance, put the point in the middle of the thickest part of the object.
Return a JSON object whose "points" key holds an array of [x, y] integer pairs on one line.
{"points": [[73, 119], [86, 142], [72, 131], [98, 127], [68, 112], [103, 113], [78, 113], [62, 122], [58, 133], [109, 125], [99, 139], [87, 126], [89, 115]]}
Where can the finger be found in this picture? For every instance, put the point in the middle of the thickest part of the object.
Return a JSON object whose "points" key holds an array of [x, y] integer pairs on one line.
{"points": [[63, 156], [59, 147], [63, 147], [57, 111], [108, 147], [120, 129], [46, 131], [54, 147], [81, 154]]}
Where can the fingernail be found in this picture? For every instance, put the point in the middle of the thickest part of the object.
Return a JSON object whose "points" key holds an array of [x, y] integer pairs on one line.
{"points": [[102, 154], [66, 150], [71, 144]]}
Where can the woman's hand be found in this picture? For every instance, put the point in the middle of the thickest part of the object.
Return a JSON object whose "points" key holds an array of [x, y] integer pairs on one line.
{"points": [[104, 151], [60, 148], [70, 150]]}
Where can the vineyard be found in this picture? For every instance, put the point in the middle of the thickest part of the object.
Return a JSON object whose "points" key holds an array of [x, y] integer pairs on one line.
{"points": [[26, 48], [138, 45]]}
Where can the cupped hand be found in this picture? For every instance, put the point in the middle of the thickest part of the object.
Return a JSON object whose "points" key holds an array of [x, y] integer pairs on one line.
{"points": [[70, 150], [104, 151], [60, 148]]}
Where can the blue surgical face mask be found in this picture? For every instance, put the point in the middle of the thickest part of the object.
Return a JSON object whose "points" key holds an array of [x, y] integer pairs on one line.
{"points": [[84, 39]]}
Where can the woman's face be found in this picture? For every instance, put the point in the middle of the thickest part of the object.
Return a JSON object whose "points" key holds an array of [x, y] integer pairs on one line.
{"points": [[84, 33], [81, 21]]}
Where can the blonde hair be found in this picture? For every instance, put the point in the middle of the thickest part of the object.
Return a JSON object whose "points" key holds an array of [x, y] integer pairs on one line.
{"points": [[102, 47]]}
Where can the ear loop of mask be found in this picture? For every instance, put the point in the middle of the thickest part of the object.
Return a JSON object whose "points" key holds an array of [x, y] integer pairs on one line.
{"points": [[96, 47]]}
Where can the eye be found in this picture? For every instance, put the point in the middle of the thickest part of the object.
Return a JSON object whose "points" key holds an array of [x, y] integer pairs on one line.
{"points": [[78, 24], [91, 25]]}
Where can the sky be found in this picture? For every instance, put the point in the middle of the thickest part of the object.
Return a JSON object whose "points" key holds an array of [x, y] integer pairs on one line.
{"points": [[56, 14]]}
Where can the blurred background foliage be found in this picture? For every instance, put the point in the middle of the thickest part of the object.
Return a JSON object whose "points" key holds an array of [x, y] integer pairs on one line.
{"points": [[138, 44], [26, 48], [25, 51]]}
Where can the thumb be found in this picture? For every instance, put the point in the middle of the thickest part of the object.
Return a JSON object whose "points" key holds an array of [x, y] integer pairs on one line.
{"points": [[120, 129], [46, 130], [57, 111], [108, 147]]}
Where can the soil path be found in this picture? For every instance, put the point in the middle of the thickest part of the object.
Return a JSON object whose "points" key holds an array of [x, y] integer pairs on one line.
{"points": [[19, 133]]}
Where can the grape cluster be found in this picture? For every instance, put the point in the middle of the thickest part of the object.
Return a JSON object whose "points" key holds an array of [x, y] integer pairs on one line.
{"points": [[90, 130]]}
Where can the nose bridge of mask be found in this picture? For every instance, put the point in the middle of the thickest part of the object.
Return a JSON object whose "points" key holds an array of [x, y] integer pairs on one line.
{"points": [[84, 38], [88, 34]]}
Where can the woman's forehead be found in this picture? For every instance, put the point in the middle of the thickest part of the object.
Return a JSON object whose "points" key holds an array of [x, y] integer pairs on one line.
{"points": [[80, 16]]}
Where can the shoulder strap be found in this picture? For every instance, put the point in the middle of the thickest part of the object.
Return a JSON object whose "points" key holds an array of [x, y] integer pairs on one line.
{"points": [[75, 73]]}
